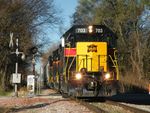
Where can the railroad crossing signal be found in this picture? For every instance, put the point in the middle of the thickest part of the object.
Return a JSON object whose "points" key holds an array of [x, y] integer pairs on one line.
{"points": [[11, 40]]}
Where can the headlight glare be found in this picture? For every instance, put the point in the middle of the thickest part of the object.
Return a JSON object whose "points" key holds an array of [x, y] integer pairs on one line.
{"points": [[107, 76], [78, 76]]}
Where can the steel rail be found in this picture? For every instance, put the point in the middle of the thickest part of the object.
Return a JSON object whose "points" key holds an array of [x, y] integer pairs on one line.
{"points": [[96, 109], [132, 109], [91, 107]]}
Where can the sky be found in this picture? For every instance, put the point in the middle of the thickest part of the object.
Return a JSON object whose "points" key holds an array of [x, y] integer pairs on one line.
{"points": [[67, 8]]}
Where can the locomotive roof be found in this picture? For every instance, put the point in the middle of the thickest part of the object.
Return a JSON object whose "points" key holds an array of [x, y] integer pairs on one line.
{"points": [[72, 30]]}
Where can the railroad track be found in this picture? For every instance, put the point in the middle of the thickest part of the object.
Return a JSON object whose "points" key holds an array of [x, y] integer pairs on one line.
{"points": [[97, 105], [132, 109], [102, 105], [93, 108]]}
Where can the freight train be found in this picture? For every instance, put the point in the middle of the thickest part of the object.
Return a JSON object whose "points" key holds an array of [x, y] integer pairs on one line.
{"points": [[85, 63]]}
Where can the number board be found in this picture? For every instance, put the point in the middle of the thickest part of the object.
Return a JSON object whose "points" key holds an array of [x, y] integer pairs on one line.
{"points": [[81, 30], [86, 30]]}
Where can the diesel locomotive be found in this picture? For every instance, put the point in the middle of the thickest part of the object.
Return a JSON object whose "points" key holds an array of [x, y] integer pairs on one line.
{"points": [[85, 63]]}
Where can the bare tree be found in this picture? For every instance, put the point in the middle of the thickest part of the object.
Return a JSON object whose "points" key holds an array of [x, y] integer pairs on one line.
{"points": [[125, 18], [23, 18]]}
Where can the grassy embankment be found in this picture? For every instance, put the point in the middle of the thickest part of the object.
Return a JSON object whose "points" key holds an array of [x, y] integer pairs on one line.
{"points": [[131, 83]]}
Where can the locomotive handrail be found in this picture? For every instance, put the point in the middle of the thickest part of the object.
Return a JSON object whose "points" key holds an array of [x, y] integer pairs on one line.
{"points": [[115, 63], [70, 65], [112, 60], [67, 64], [87, 57], [117, 67]]}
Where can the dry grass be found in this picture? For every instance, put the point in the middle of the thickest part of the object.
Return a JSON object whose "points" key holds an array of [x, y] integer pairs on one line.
{"points": [[133, 80], [4, 110], [22, 92]]}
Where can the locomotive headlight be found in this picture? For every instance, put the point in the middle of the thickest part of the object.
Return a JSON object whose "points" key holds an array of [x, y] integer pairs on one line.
{"points": [[107, 76], [78, 76], [90, 29]]}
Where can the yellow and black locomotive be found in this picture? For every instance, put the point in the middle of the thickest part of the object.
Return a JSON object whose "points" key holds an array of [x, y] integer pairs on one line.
{"points": [[85, 63]]}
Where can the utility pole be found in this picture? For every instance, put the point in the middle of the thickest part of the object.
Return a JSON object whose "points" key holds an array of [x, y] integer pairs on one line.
{"points": [[33, 64], [34, 51], [16, 70]]}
